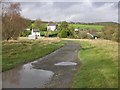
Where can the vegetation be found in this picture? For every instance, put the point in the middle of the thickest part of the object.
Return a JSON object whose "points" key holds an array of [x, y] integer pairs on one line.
{"points": [[38, 24], [63, 33], [25, 33], [19, 52], [110, 32], [65, 30], [12, 22], [68, 30], [82, 26], [99, 68], [49, 33]]}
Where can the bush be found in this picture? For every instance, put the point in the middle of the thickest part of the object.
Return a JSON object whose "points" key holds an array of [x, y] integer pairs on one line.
{"points": [[25, 33], [83, 35], [110, 33], [43, 27], [63, 33]]}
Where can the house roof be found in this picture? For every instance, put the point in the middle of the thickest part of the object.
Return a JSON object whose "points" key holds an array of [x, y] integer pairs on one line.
{"points": [[36, 30], [52, 24]]}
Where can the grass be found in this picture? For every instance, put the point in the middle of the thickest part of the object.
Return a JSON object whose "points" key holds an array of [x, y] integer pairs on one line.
{"points": [[96, 27], [20, 52], [99, 68]]}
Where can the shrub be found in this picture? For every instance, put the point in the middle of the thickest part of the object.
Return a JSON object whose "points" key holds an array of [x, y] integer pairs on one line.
{"points": [[110, 33], [83, 35], [25, 33], [63, 33]]}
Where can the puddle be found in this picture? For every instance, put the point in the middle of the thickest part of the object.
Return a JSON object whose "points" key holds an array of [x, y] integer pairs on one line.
{"points": [[26, 77], [65, 64]]}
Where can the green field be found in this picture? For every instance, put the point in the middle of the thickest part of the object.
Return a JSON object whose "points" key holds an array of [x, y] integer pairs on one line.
{"points": [[16, 53], [95, 27], [99, 65]]}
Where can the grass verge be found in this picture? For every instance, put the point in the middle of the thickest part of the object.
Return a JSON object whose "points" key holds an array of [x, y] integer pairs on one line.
{"points": [[17, 53], [99, 68]]}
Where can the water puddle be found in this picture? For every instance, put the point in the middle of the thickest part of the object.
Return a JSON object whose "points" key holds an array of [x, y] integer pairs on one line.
{"points": [[26, 77], [65, 64]]}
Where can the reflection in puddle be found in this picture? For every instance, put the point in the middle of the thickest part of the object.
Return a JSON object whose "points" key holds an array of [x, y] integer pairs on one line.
{"points": [[65, 64], [26, 77]]}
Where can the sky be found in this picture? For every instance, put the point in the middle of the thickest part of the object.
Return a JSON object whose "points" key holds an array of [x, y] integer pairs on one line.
{"points": [[71, 11]]}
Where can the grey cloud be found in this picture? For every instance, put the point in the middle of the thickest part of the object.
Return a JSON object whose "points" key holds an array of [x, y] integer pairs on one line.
{"points": [[63, 5], [98, 4], [70, 11]]}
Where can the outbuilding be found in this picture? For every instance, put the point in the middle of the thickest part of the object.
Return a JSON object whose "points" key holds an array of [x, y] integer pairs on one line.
{"points": [[35, 34]]}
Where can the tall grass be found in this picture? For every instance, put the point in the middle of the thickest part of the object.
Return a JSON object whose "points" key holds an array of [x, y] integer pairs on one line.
{"points": [[99, 68]]}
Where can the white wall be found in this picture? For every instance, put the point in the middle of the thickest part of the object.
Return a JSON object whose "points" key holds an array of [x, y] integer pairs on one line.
{"points": [[52, 28], [35, 33]]}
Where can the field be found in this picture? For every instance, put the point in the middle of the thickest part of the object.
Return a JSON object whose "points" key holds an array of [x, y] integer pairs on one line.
{"points": [[22, 51], [95, 27], [99, 64]]}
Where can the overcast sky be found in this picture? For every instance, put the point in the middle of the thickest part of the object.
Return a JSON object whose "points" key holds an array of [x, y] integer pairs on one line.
{"points": [[71, 11]]}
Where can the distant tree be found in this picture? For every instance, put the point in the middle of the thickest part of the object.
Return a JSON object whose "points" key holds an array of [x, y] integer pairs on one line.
{"points": [[38, 24], [64, 25], [28, 23], [12, 22]]}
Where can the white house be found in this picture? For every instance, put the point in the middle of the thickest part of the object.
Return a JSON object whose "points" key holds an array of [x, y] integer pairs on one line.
{"points": [[52, 27], [34, 34]]}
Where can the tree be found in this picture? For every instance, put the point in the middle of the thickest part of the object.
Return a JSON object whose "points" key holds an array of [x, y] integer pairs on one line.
{"points": [[63, 33], [65, 30], [12, 22], [64, 25], [38, 24]]}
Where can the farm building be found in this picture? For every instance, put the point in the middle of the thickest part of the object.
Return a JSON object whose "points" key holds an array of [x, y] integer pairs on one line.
{"points": [[34, 34], [52, 27]]}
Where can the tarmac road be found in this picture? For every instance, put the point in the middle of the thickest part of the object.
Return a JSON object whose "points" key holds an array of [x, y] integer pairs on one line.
{"points": [[63, 74]]}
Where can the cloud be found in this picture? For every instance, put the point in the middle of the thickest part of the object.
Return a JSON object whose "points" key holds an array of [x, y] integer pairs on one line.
{"points": [[71, 11]]}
